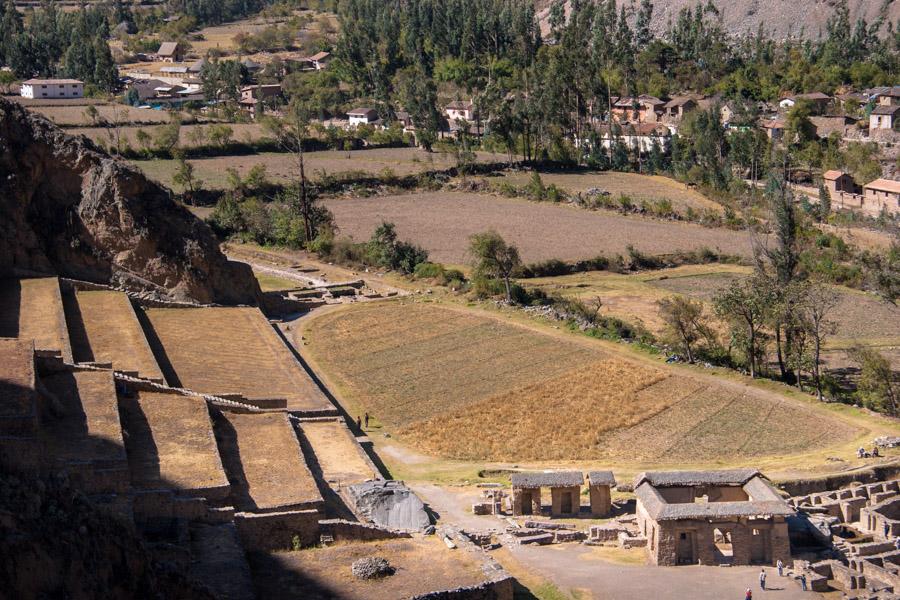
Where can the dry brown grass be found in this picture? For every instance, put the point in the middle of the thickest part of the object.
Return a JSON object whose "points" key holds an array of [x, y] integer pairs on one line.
{"points": [[337, 452], [233, 351], [243, 132], [32, 309], [422, 565], [73, 115], [279, 167], [442, 222], [456, 384], [638, 187]]}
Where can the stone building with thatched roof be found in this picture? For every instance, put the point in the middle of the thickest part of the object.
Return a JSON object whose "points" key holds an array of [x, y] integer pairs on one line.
{"points": [[600, 484], [712, 517], [565, 492]]}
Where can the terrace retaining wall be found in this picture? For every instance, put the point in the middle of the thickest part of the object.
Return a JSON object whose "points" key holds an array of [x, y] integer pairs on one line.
{"points": [[802, 487], [276, 531], [342, 530], [498, 589]]}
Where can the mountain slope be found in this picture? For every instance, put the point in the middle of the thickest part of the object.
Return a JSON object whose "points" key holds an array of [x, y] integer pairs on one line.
{"points": [[69, 209]]}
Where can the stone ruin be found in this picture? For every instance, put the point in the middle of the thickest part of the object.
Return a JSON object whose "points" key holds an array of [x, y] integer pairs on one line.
{"points": [[852, 536]]}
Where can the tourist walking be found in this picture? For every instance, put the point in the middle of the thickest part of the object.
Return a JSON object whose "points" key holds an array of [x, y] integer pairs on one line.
{"points": [[358, 423], [780, 566], [367, 420], [748, 595], [803, 581], [762, 579]]}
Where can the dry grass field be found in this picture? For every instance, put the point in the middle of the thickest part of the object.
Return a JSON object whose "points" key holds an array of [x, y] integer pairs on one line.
{"points": [[422, 565], [441, 222], [74, 116], [231, 351], [243, 132], [105, 329], [336, 452], [32, 309], [638, 187], [456, 384], [401, 161]]}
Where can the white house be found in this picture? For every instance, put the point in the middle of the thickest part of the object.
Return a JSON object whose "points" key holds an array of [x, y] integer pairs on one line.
{"points": [[52, 88], [460, 110], [883, 117], [362, 116]]}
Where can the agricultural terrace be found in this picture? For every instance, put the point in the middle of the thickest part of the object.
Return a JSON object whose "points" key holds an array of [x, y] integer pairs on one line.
{"points": [[189, 136], [279, 166], [337, 453], [458, 384], [73, 115], [231, 351], [32, 309], [637, 187], [442, 222]]}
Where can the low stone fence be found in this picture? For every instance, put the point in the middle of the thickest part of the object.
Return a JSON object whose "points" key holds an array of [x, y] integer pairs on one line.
{"points": [[343, 530], [876, 474], [499, 589]]}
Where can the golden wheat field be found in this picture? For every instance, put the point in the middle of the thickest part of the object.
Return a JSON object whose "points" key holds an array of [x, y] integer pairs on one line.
{"points": [[454, 383]]}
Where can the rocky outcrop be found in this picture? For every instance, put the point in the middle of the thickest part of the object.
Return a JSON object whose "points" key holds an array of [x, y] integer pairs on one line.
{"points": [[389, 504], [69, 209]]}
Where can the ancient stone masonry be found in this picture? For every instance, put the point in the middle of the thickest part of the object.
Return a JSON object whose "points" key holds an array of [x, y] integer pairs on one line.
{"points": [[601, 484], [712, 517], [857, 531], [565, 492]]}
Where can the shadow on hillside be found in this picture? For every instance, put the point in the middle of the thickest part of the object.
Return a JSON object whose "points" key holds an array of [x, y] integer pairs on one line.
{"points": [[10, 297]]}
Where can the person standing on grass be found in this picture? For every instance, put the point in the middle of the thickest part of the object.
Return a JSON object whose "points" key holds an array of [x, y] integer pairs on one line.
{"points": [[762, 579], [358, 423], [367, 420], [780, 566]]}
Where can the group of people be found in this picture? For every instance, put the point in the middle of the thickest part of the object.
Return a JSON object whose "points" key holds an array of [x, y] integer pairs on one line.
{"points": [[863, 453], [359, 422], [762, 579]]}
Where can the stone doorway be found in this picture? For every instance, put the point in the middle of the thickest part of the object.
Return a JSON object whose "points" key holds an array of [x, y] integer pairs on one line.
{"points": [[723, 547], [566, 503], [760, 543], [685, 548], [527, 503]]}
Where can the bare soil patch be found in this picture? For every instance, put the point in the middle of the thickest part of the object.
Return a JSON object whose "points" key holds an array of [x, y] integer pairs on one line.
{"points": [[243, 132], [442, 222], [73, 115]]}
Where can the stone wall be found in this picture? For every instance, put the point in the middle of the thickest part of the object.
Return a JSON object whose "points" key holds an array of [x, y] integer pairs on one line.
{"points": [[556, 497], [770, 541], [342, 530], [499, 589], [276, 531], [801, 487], [601, 501]]}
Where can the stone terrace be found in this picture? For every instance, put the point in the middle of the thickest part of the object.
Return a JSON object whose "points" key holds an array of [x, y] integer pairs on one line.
{"points": [[170, 444], [32, 309], [338, 454], [17, 380], [233, 351], [104, 329], [264, 462], [89, 434]]}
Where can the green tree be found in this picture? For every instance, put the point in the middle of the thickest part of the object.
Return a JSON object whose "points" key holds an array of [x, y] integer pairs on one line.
{"points": [[824, 202], [685, 323], [493, 258], [745, 305], [878, 387], [184, 177]]}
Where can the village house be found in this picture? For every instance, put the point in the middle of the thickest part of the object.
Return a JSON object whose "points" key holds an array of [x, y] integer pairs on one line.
{"points": [[52, 88], [818, 101], [826, 125], [170, 52], [636, 136], [837, 182], [643, 109], [726, 114], [712, 518], [883, 117], [882, 195], [677, 107], [265, 95], [460, 110], [320, 60], [565, 493], [886, 96], [362, 116], [600, 484], [774, 129]]}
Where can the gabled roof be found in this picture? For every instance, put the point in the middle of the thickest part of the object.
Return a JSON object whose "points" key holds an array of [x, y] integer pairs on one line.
{"points": [[361, 112], [167, 49], [679, 101], [884, 185], [601, 478], [648, 99], [461, 105], [547, 479], [773, 124], [730, 477], [885, 110], [197, 66], [832, 175], [320, 56]]}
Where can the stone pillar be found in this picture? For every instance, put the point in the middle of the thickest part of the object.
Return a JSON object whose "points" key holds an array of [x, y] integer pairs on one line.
{"points": [[601, 501]]}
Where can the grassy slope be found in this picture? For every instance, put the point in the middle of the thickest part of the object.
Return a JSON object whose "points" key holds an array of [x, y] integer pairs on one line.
{"points": [[760, 424]]}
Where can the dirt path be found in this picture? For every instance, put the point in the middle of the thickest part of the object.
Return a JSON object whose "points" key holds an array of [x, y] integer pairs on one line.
{"points": [[577, 567]]}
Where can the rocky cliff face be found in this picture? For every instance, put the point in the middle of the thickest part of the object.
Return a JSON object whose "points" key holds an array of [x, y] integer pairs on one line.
{"points": [[69, 209]]}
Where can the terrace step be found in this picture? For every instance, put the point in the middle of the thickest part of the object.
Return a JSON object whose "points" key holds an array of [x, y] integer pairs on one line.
{"points": [[32, 309], [265, 465], [218, 561]]}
